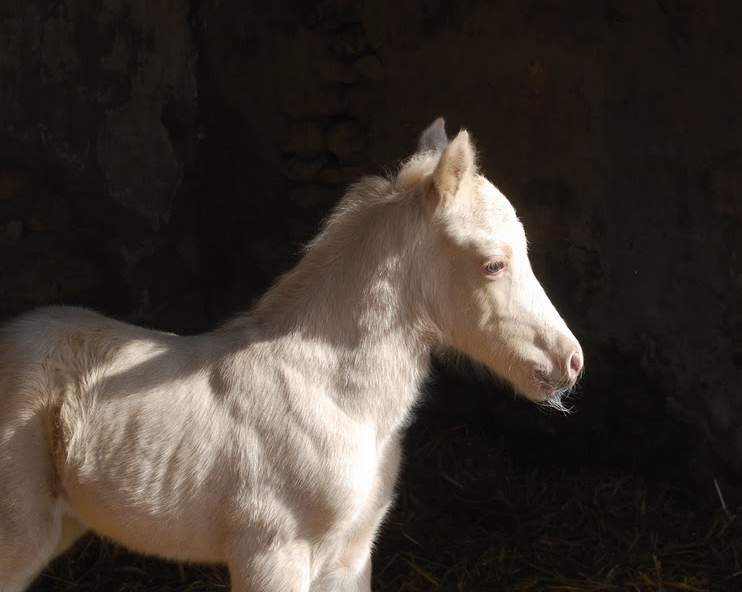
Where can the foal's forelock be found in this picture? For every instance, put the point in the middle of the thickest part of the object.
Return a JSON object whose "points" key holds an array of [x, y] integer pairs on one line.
{"points": [[415, 170]]}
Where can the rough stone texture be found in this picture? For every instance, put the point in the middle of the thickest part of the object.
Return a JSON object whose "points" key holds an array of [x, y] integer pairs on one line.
{"points": [[93, 79], [345, 139], [303, 139], [613, 126], [98, 139], [133, 138], [369, 66]]}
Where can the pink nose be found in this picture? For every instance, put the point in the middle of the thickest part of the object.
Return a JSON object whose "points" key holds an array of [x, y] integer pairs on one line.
{"points": [[575, 365]]}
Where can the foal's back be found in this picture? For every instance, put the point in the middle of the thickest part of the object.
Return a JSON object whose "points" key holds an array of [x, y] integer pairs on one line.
{"points": [[54, 354]]}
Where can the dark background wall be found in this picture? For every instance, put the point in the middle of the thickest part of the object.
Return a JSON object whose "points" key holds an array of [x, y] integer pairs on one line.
{"points": [[164, 161]]}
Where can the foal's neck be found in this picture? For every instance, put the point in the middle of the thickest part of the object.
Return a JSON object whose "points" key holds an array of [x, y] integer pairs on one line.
{"points": [[356, 293]]}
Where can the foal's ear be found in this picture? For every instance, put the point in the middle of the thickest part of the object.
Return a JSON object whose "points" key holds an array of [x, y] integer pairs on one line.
{"points": [[434, 138], [457, 163]]}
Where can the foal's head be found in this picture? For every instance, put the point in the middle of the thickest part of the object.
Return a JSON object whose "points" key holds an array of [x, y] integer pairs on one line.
{"points": [[480, 290]]}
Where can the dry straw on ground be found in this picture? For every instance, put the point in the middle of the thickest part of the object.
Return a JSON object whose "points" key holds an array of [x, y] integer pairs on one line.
{"points": [[467, 520]]}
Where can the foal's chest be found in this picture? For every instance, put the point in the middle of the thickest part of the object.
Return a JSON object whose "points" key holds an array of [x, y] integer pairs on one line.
{"points": [[340, 483]]}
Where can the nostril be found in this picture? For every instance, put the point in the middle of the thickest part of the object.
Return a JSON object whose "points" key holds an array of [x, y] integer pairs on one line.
{"points": [[575, 363]]}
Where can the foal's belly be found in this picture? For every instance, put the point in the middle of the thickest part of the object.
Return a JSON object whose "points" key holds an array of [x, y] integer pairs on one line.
{"points": [[169, 537], [179, 524], [155, 487]]}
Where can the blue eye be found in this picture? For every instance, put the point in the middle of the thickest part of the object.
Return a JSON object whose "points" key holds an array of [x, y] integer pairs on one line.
{"points": [[494, 267]]}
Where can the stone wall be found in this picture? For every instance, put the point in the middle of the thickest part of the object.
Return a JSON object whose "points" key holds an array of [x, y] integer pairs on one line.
{"points": [[168, 162], [98, 141]]}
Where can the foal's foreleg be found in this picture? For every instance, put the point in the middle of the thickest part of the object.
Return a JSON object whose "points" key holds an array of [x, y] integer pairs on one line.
{"points": [[281, 567], [351, 570]]}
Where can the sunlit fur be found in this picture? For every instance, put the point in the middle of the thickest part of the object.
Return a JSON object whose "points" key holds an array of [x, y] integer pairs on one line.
{"points": [[272, 443]]}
